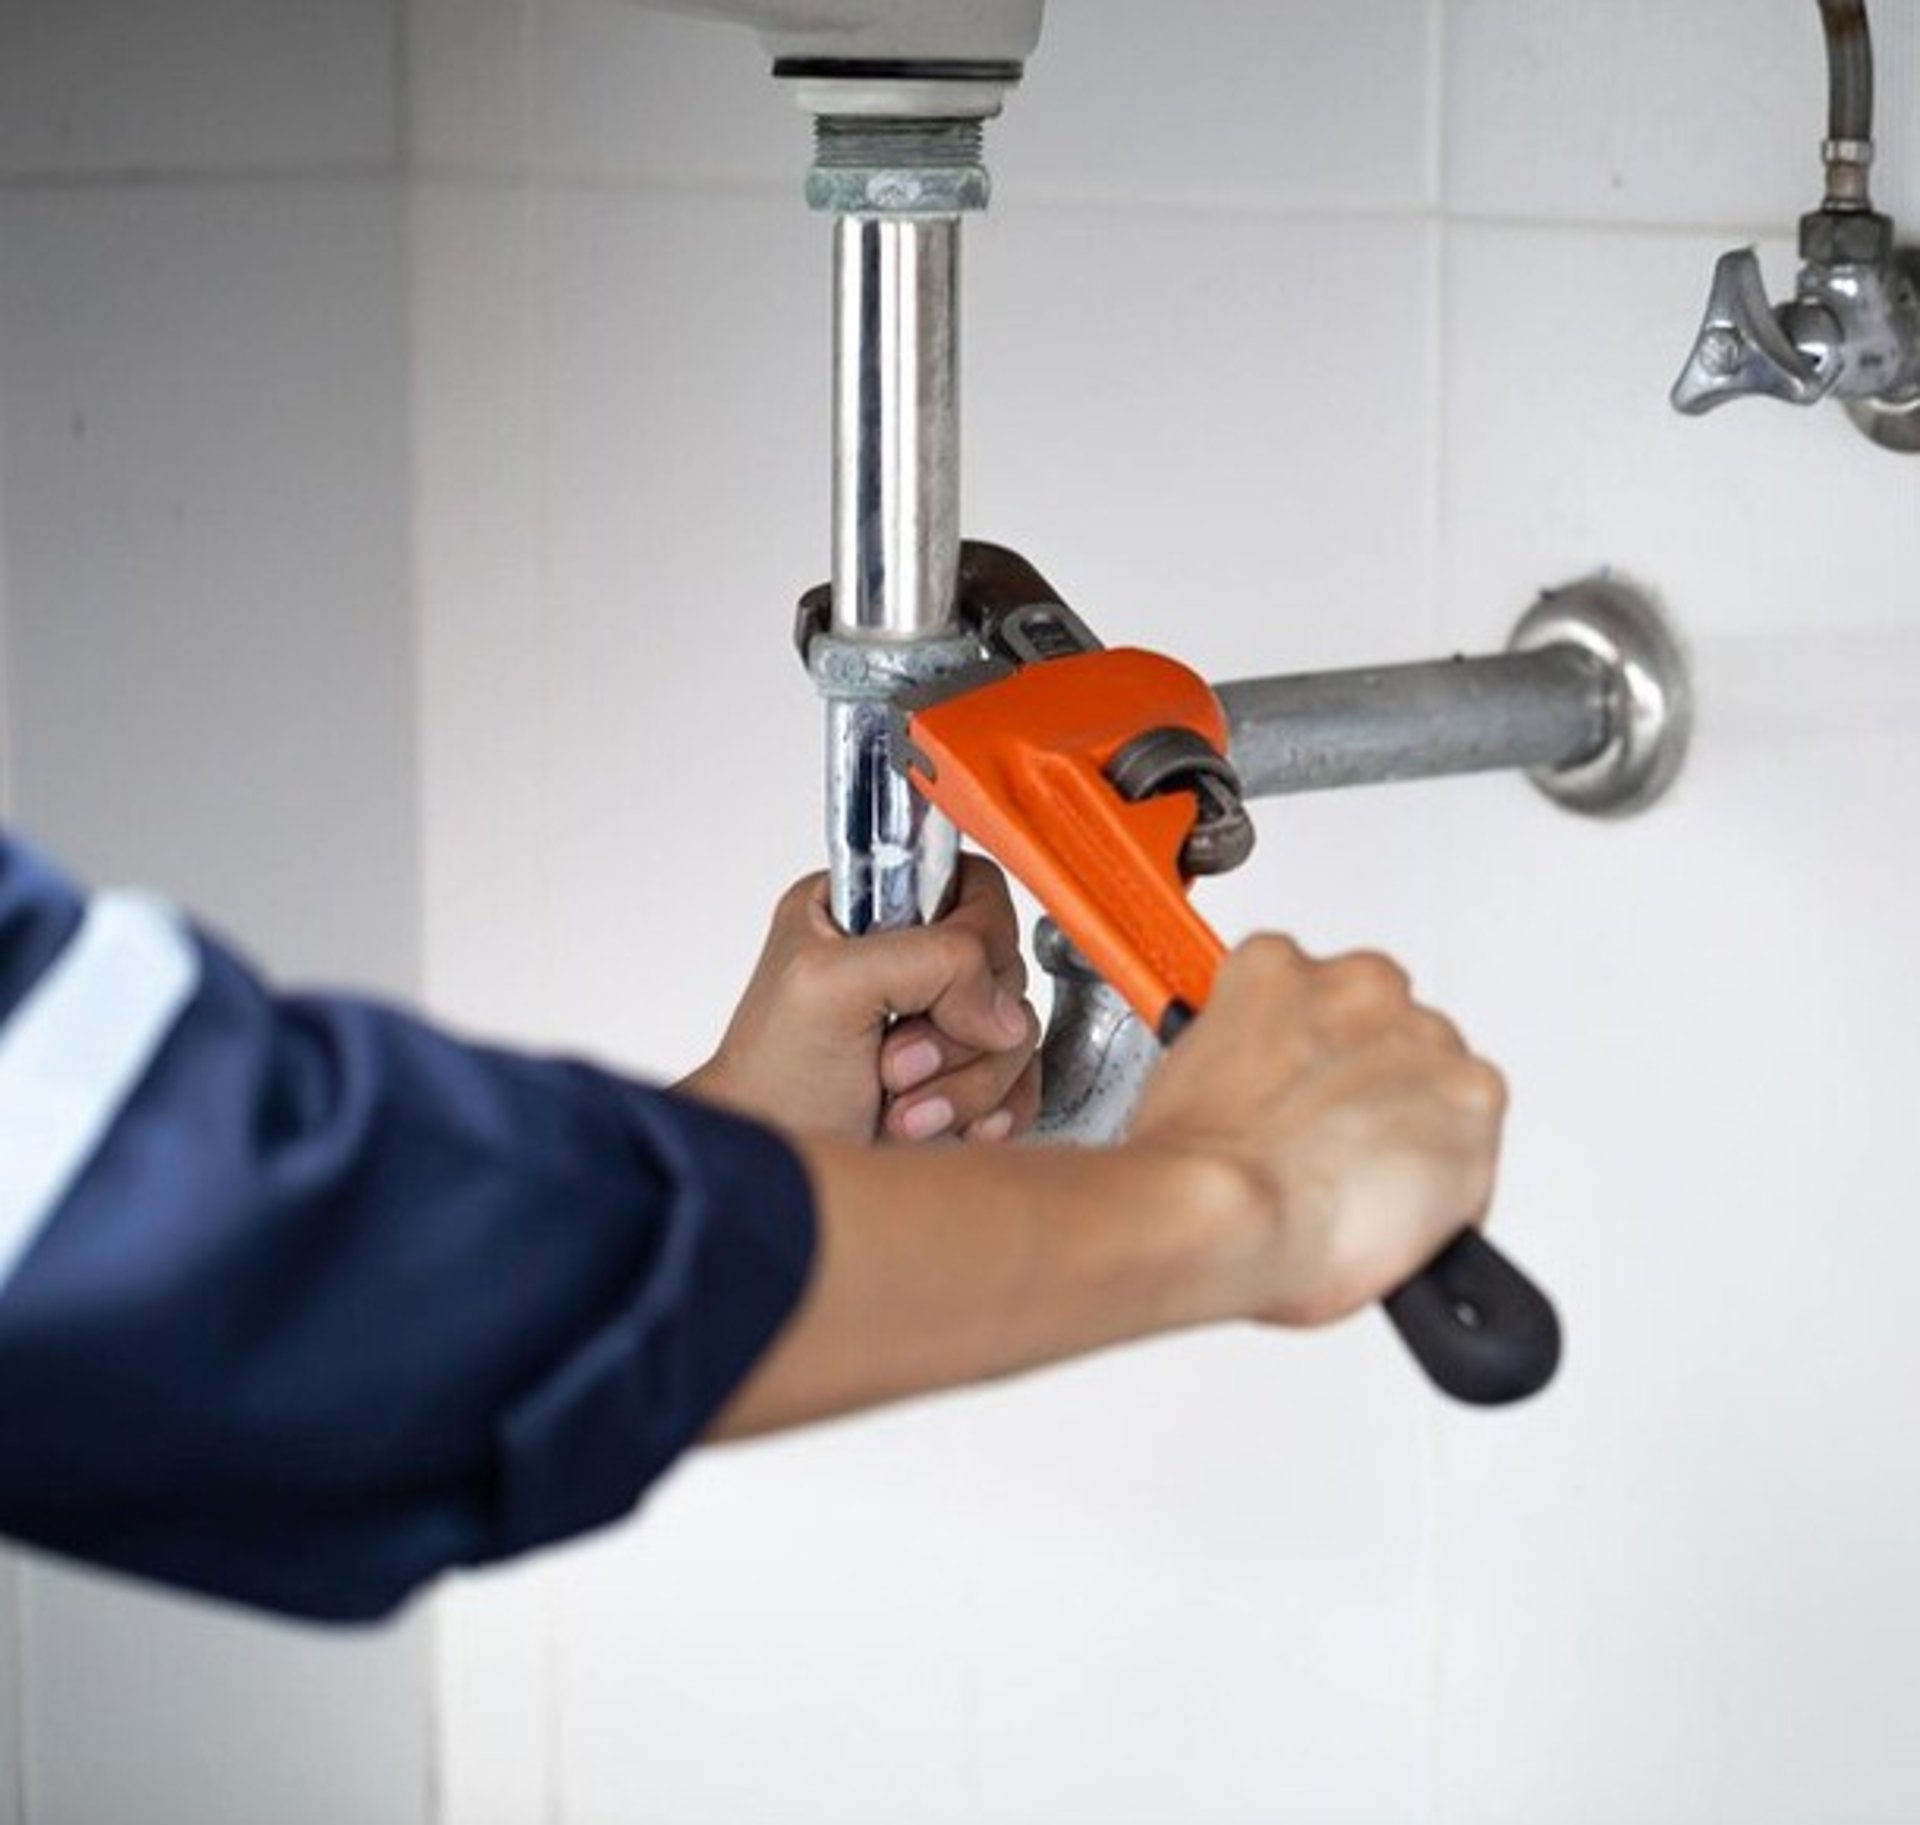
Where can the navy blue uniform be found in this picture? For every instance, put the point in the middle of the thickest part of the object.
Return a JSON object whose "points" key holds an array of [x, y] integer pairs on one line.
{"points": [[302, 1302]]}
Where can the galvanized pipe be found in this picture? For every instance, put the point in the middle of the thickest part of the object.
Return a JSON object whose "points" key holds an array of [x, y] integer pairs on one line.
{"points": [[1551, 708], [896, 544], [1592, 699]]}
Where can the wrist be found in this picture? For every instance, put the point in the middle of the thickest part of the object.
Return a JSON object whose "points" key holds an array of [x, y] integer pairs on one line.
{"points": [[1216, 1217]]}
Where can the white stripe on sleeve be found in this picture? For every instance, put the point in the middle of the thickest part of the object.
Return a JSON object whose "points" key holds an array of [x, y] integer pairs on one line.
{"points": [[76, 1048]]}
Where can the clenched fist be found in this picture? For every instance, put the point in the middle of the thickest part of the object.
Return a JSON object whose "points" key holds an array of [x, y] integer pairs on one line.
{"points": [[907, 1035], [1363, 1131]]}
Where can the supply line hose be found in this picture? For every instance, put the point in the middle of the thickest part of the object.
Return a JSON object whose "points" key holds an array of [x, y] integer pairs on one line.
{"points": [[1849, 69], [1849, 145]]}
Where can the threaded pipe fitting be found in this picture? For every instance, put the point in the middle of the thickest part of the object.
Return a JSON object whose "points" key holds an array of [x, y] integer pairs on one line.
{"points": [[883, 166]]}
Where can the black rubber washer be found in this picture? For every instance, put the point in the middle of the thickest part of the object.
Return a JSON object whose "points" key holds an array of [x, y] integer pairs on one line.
{"points": [[896, 69]]}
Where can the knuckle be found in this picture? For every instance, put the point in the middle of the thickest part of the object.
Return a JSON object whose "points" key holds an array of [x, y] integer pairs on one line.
{"points": [[804, 893], [982, 874], [1431, 1027], [1482, 1087], [1370, 974], [1271, 959]]}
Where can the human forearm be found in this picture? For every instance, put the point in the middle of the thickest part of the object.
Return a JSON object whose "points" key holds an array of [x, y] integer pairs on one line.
{"points": [[935, 1270], [1310, 1143]]}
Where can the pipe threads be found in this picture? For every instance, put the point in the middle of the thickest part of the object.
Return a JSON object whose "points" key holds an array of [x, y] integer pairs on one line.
{"points": [[848, 142]]}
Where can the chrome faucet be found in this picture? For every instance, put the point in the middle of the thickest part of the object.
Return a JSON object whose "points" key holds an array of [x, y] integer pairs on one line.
{"points": [[1851, 331]]}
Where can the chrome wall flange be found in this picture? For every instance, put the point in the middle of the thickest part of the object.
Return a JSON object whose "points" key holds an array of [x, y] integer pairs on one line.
{"points": [[1643, 670]]}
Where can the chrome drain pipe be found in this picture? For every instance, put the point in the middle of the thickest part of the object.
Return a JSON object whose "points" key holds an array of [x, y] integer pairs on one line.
{"points": [[896, 553], [897, 162]]}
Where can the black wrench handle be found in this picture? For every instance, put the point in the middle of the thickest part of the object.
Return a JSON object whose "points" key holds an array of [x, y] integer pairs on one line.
{"points": [[1479, 1327]]}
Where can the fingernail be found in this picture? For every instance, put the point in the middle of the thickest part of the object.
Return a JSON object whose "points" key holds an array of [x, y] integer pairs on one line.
{"points": [[914, 1064], [926, 1119], [994, 1127], [1011, 1012]]}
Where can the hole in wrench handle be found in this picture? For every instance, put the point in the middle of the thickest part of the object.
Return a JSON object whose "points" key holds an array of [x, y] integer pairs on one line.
{"points": [[1479, 1327]]}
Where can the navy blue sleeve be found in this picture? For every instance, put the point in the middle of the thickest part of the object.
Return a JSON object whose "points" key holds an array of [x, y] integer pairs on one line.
{"points": [[338, 1302]]}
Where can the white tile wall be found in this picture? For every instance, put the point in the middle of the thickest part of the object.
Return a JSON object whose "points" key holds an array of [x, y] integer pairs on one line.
{"points": [[483, 745], [104, 87], [1645, 112], [1315, 106], [204, 486], [1702, 1014], [205, 473], [622, 95], [1680, 1589], [1674, 1590], [647, 543], [1292, 535], [494, 1745], [596, 91], [478, 579], [1562, 452], [144, 1707], [1273, 362], [468, 102], [1053, 1602]]}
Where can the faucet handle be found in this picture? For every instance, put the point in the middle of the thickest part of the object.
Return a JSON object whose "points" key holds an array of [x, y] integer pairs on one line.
{"points": [[1743, 348]]}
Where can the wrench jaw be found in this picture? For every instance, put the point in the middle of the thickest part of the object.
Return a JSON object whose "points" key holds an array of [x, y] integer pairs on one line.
{"points": [[1021, 760], [1098, 777]]}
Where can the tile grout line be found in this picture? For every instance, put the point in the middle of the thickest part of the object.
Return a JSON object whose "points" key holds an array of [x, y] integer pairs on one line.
{"points": [[433, 1795], [19, 1791], [226, 177], [533, 375], [428, 171], [1438, 396]]}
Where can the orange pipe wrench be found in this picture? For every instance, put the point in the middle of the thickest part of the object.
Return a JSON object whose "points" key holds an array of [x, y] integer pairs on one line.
{"points": [[1019, 758], [1086, 775]]}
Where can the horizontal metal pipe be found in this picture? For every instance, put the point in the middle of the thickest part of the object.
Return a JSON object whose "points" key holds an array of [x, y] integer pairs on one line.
{"points": [[1549, 708]]}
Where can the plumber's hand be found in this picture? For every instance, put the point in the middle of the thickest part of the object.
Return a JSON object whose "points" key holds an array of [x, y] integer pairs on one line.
{"points": [[1365, 1131], [904, 1035]]}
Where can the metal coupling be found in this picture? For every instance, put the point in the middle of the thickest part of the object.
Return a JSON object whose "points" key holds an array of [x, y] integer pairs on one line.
{"points": [[864, 166], [857, 668], [1845, 237]]}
